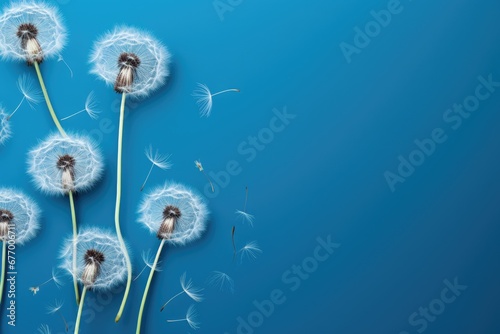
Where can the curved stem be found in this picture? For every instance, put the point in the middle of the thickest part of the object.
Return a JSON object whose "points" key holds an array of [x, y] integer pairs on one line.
{"points": [[2, 279], [117, 209], [80, 308], [180, 293], [225, 91], [47, 99], [75, 235], [146, 289]]}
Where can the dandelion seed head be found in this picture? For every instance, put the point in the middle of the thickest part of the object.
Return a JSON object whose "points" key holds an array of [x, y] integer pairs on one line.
{"points": [[175, 202], [31, 31], [159, 160], [100, 249], [203, 99], [5, 131], [132, 60], [190, 290], [62, 163], [20, 210]]}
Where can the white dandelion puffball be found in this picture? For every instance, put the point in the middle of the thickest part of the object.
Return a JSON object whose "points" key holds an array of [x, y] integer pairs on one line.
{"points": [[174, 213], [31, 31], [61, 164], [100, 262], [21, 212], [131, 60], [5, 131]]}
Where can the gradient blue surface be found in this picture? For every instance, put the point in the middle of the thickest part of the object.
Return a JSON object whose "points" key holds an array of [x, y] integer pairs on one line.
{"points": [[322, 175]]}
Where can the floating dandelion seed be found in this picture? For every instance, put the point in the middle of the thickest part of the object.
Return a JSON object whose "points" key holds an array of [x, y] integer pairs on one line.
{"points": [[159, 160], [56, 308], [251, 250], [90, 108], [177, 215], [204, 98], [136, 64], [200, 167], [191, 318], [243, 214], [44, 329], [148, 259], [30, 93], [55, 277], [187, 288], [221, 280], [59, 59], [5, 131]]}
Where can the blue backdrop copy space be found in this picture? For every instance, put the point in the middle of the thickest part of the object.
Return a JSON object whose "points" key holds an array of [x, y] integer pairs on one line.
{"points": [[358, 101]]}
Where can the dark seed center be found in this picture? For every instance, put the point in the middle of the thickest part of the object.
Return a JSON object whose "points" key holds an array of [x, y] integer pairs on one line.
{"points": [[171, 211], [129, 60], [27, 31], [66, 162], [6, 216], [93, 256]]}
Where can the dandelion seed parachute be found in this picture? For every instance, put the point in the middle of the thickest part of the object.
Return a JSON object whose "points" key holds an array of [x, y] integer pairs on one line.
{"points": [[61, 164], [131, 60], [5, 131], [193, 213], [21, 210], [112, 269], [31, 31]]}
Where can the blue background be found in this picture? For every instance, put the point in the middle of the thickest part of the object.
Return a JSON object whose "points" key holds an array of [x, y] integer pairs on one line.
{"points": [[322, 175]]}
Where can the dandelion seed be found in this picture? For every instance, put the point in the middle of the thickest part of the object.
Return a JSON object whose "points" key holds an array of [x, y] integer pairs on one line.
{"points": [[31, 94], [188, 289], [221, 280], [56, 308], [148, 259], [44, 329], [90, 108], [243, 214], [200, 167], [59, 59], [191, 318], [251, 250], [159, 160], [55, 277], [204, 98]]}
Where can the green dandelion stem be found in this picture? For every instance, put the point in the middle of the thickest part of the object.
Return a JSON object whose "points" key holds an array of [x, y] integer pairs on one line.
{"points": [[117, 208], [47, 99], [80, 308], [75, 235], [146, 290]]}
